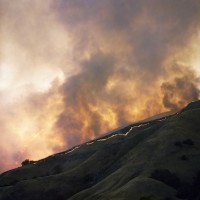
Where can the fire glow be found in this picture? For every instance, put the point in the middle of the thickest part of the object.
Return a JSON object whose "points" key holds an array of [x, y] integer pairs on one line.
{"points": [[73, 70]]}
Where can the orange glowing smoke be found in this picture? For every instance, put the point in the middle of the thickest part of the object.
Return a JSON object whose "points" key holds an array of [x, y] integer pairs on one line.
{"points": [[72, 70]]}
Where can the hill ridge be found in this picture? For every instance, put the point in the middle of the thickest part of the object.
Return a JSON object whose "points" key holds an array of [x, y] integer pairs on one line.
{"points": [[159, 157]]}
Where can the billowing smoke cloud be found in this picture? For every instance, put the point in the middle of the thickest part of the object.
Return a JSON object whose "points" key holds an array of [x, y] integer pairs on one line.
{"points": [[181, 90], [124, 49], [72, 69]]}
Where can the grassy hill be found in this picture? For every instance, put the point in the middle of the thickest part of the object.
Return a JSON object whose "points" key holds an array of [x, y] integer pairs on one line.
{"points": [[153, 160]]}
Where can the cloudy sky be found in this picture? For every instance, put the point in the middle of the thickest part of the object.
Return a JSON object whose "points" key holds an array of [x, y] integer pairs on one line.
{"points": [[71, 70]]}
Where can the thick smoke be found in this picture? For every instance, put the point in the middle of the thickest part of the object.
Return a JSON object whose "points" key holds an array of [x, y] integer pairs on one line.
{"points": [[126, 53], [72, 69], [181, 90]]}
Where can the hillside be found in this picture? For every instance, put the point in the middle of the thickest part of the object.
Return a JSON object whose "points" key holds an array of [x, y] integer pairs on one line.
{"points": [[149, 160]]}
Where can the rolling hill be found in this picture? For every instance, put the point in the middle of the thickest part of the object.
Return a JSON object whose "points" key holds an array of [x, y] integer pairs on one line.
{"points": [[157, 159]]}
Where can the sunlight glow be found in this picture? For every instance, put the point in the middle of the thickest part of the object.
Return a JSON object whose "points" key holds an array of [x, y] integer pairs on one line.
{"points": [[6, 76]]}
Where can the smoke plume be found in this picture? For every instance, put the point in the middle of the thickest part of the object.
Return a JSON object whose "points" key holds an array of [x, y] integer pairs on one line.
{"points": [[71, 70]]}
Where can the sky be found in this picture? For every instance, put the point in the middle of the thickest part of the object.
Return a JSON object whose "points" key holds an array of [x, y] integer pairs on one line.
{"points": [[71, 70]]}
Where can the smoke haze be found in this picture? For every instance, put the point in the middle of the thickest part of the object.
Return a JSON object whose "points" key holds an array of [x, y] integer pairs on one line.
{"points": [[71, 70]]}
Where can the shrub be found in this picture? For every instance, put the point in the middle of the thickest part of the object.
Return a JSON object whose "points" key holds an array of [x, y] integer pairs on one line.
{"points": [[150, 197], [196, 186], [53, 193], [165, 176], [188, 142], [14, 181], [27, 162], [184, 157], [57, 169], [178, 144], [47, 174], [89, 178], [197, 180]]}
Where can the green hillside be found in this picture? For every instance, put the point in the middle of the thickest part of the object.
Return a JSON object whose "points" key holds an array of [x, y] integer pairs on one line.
{"points": [[155, 160]]}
